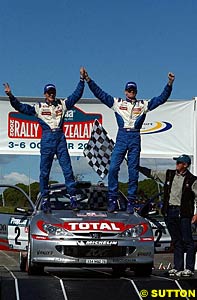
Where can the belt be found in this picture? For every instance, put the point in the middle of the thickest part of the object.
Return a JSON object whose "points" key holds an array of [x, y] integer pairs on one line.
{"points": [[53, 130], [129, 129], [174, 206], [56, 129]]}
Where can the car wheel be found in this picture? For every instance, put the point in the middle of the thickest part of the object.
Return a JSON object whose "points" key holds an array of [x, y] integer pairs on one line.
{"points": [[23, 261], [33, 269], [118, 270], [143, 270]]}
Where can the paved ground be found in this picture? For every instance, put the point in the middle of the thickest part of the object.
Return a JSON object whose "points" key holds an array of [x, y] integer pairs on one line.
{"points": [[11, 259], [88, 284], [165, 259]]}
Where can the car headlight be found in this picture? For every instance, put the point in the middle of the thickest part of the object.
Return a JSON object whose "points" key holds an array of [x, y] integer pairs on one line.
{"points": [[135, 231], [55, 230]]}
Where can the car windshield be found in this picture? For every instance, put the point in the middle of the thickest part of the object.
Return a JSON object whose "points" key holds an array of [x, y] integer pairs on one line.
{"points": [[92, 198]]}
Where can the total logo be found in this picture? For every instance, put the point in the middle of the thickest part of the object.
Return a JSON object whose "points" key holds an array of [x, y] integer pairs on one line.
{"points": [[94, 227], [91, 226], [155, 127]]}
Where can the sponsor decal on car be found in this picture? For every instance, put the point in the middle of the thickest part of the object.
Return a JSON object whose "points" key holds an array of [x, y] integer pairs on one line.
{"points": [[63, 260], [18, 233], [44, 252], [3, 228], [103, 225], [18, 221], [153, 225], [92, 214], [97, 243], [96, 261]]}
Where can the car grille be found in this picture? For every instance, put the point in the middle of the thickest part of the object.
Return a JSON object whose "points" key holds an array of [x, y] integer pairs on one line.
{"points": [[94, 251]]}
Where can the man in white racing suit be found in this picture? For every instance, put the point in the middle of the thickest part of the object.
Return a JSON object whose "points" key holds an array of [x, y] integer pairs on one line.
{"points": [[130, 115], [50, 115]]}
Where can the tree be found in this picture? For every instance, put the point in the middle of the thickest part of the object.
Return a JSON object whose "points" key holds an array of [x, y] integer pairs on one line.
{"points": [[34, 188], [147, 187], [14, 198]]}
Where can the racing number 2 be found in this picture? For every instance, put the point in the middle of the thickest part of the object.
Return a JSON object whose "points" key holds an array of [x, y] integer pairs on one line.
{"points": [[158, 233], [17, 231]]}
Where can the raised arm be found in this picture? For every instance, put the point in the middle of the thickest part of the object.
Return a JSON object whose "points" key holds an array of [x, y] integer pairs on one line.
{"points": [[16, 104], [156, 101], [77, 94], [98, 92], [157, 175]]}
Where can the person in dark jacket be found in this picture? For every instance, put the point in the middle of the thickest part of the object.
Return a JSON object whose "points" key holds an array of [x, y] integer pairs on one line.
{"points": [[179, 210], [50, 116], [130, 115]]}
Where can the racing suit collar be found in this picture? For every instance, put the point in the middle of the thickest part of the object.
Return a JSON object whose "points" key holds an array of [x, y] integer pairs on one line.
{"points": [[133, 101], [54, 102]]}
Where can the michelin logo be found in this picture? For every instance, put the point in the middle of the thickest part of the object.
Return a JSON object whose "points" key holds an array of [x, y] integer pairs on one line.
{"points": [[97, 243]]}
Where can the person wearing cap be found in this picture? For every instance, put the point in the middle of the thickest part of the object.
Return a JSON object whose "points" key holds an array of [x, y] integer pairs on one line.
{"points": [[130, 114], [50, 116], [179, 210]]}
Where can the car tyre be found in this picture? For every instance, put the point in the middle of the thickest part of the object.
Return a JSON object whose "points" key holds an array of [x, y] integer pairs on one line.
{"points": [[143, 270], [23, 261], [33, 269], [118, 270]]}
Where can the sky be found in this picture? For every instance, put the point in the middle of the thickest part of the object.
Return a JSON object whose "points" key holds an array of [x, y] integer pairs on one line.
{"points": [[117, 41]]}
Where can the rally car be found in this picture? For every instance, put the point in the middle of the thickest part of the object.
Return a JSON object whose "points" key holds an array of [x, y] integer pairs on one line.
{"points": [[89, 237]]}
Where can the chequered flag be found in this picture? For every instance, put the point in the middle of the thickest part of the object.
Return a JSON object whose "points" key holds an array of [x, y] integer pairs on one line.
{"points": [[98, 150]]}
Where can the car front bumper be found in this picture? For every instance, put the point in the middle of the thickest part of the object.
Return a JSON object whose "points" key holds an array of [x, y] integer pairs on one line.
{"points": [[83, 252]]}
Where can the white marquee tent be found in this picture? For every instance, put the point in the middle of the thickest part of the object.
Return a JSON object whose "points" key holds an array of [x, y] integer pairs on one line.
{"points": [[168, 131]]}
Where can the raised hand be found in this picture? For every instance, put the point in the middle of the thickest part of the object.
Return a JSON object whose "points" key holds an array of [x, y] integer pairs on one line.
{"points": [[82, 73], [87, 78], [7, 89], [171, 78]]}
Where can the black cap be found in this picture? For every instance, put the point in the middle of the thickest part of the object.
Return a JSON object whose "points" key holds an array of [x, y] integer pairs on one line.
{"points": [[48, 87], [183, 159], [131, 85]]}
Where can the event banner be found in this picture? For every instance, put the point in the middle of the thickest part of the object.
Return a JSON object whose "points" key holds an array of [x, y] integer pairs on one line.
{"points": [[168, 130]]}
